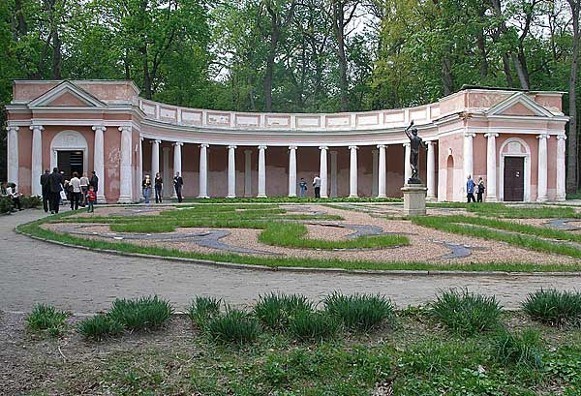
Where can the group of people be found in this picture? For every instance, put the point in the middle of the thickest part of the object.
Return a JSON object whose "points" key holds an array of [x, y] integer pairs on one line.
{"points": [[146, 186], [9, 190], [316, 185], [78, 191], [472, 187]]}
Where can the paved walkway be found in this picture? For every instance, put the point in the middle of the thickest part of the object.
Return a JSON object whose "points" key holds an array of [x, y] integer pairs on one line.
{"points": [[81, 281]]}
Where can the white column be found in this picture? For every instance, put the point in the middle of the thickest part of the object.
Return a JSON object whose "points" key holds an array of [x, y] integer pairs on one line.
{"points": [[261, 172], [247, 173], [374, 173], [155, 157], [126, 175], [168, 190], [491, 155], [36, 171], [561, 191], [292, 171], [382, 173], [13, 155], [140, 166], [333, 172], [407, 165], [99, 161], [231, 172], [431, 172], [353, 172], [542, 168], [323, 171], [177, 166], [468, 154], [203, 188]]}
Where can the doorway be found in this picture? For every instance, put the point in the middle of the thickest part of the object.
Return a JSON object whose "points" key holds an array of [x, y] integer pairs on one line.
{"points": [[70, 161], [514, 181]]}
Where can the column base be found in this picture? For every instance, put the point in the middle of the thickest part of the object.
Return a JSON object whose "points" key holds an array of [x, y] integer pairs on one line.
{"points": [[123, 200], [414, 199], [203, 196]]}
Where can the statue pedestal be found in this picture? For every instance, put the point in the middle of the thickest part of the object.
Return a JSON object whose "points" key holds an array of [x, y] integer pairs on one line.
{"points": [[414, 199]]}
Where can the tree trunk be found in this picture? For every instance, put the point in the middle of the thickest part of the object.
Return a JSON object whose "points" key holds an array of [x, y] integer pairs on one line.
{"points": [[572, 177], [447, 79]]}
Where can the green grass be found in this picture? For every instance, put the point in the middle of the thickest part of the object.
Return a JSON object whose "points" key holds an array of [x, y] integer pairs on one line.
{"points": [[46, 318], [514, 211], [203, 309], [313, 326], [275, 310], [294, 235], [100, 327], [554, 307], [141, 313], [466, 313], [233, 327], [520, 348], [360, 312]]}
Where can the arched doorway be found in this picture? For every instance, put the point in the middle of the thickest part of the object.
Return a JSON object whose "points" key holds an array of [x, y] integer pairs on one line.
{"points": [[515, 171], [450, 179], [69, 152]]}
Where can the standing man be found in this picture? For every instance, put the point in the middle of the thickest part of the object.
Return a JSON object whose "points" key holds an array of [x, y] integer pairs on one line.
{"points": [[45, 183], [56, 186], [480, 189], [178, 183], [317, 185], [94, 181], [470, 189]]}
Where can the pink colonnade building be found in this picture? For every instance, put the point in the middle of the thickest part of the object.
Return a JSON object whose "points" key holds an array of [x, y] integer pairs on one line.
{"points": [[514, 140]]}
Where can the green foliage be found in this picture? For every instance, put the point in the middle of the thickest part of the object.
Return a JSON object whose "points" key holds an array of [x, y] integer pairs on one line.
{"points": [[204, 309], [100, 327], [28, 202], [47, 318], [233, 327], [522, 348], [360, 312], [142, 313], [554, 307], [466, 313], [6, 205], [315, 326], [275, 310]]}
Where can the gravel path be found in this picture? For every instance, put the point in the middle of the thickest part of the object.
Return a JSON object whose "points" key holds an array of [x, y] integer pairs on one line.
{"points": [[82, 281]]}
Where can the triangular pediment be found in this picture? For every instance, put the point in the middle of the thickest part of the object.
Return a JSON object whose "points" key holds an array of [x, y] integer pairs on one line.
{"points": [[521, 105], [66, 94]]}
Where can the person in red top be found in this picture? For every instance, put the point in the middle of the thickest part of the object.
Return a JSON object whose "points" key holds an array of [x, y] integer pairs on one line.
{"points": [[91, 198]]}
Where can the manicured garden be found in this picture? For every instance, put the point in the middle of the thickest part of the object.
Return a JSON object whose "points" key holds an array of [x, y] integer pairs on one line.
{"points": [[460, 343]]}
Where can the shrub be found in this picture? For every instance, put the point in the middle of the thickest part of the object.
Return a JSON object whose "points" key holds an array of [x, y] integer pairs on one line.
{"points": [[6, 205], [33, 201], [313, 326], [99, 327], [360, 312], [204, 309], [143, 313], [553, 307], [466, 313], [47, 318], [522, 348], [275, 310], [234, 327]]}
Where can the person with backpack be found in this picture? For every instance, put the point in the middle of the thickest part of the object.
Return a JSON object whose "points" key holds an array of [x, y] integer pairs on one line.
{"points": [[479, 189]]}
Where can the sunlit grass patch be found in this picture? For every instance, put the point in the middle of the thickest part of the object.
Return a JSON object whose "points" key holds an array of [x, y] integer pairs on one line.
{"points": [[203, 309], [142, 313], [360, 312], [233, 327], [47, 318], [100, 327], [275, 310], [554, 307]]}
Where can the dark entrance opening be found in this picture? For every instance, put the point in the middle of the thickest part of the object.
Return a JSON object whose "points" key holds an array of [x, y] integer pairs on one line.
{"points": [[514, 178], [69, 162]]}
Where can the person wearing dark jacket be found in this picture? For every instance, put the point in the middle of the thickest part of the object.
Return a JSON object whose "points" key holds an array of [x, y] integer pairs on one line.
{"points": [[94, 181], [45, 183], [178, 183], [56, 186]]}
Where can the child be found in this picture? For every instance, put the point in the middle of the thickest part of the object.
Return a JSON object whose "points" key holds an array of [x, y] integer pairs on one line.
{"points": [[91, 198]]}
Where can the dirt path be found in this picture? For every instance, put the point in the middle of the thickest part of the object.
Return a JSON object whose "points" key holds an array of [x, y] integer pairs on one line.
{"points": [[86, 282]]}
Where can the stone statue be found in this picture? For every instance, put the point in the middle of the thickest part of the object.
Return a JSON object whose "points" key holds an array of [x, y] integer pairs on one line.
{"points": [[415, 143]]}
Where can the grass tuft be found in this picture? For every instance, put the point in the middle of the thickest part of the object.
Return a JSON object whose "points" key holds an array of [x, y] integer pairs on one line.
{"points": [[521, 348], [203, 309], [234, 327], [466, 313], [553, 307], [143, 313], [47, 318], [100, 327], [275, 310], [313, 326], [360, 312]]}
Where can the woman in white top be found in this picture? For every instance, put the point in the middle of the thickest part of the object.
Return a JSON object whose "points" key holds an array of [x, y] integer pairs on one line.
{"points": [[84, 188], [75, 185]]}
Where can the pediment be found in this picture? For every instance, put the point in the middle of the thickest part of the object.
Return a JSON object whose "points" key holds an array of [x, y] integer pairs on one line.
{"points": [[66, 94], [521, 105]]}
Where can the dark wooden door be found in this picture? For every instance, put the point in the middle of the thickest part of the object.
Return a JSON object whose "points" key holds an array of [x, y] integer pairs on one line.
{"points": [[514, 180], [69, 162]]}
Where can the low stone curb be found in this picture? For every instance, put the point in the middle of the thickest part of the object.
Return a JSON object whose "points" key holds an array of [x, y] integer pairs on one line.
{"points": [[211, 263]]}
